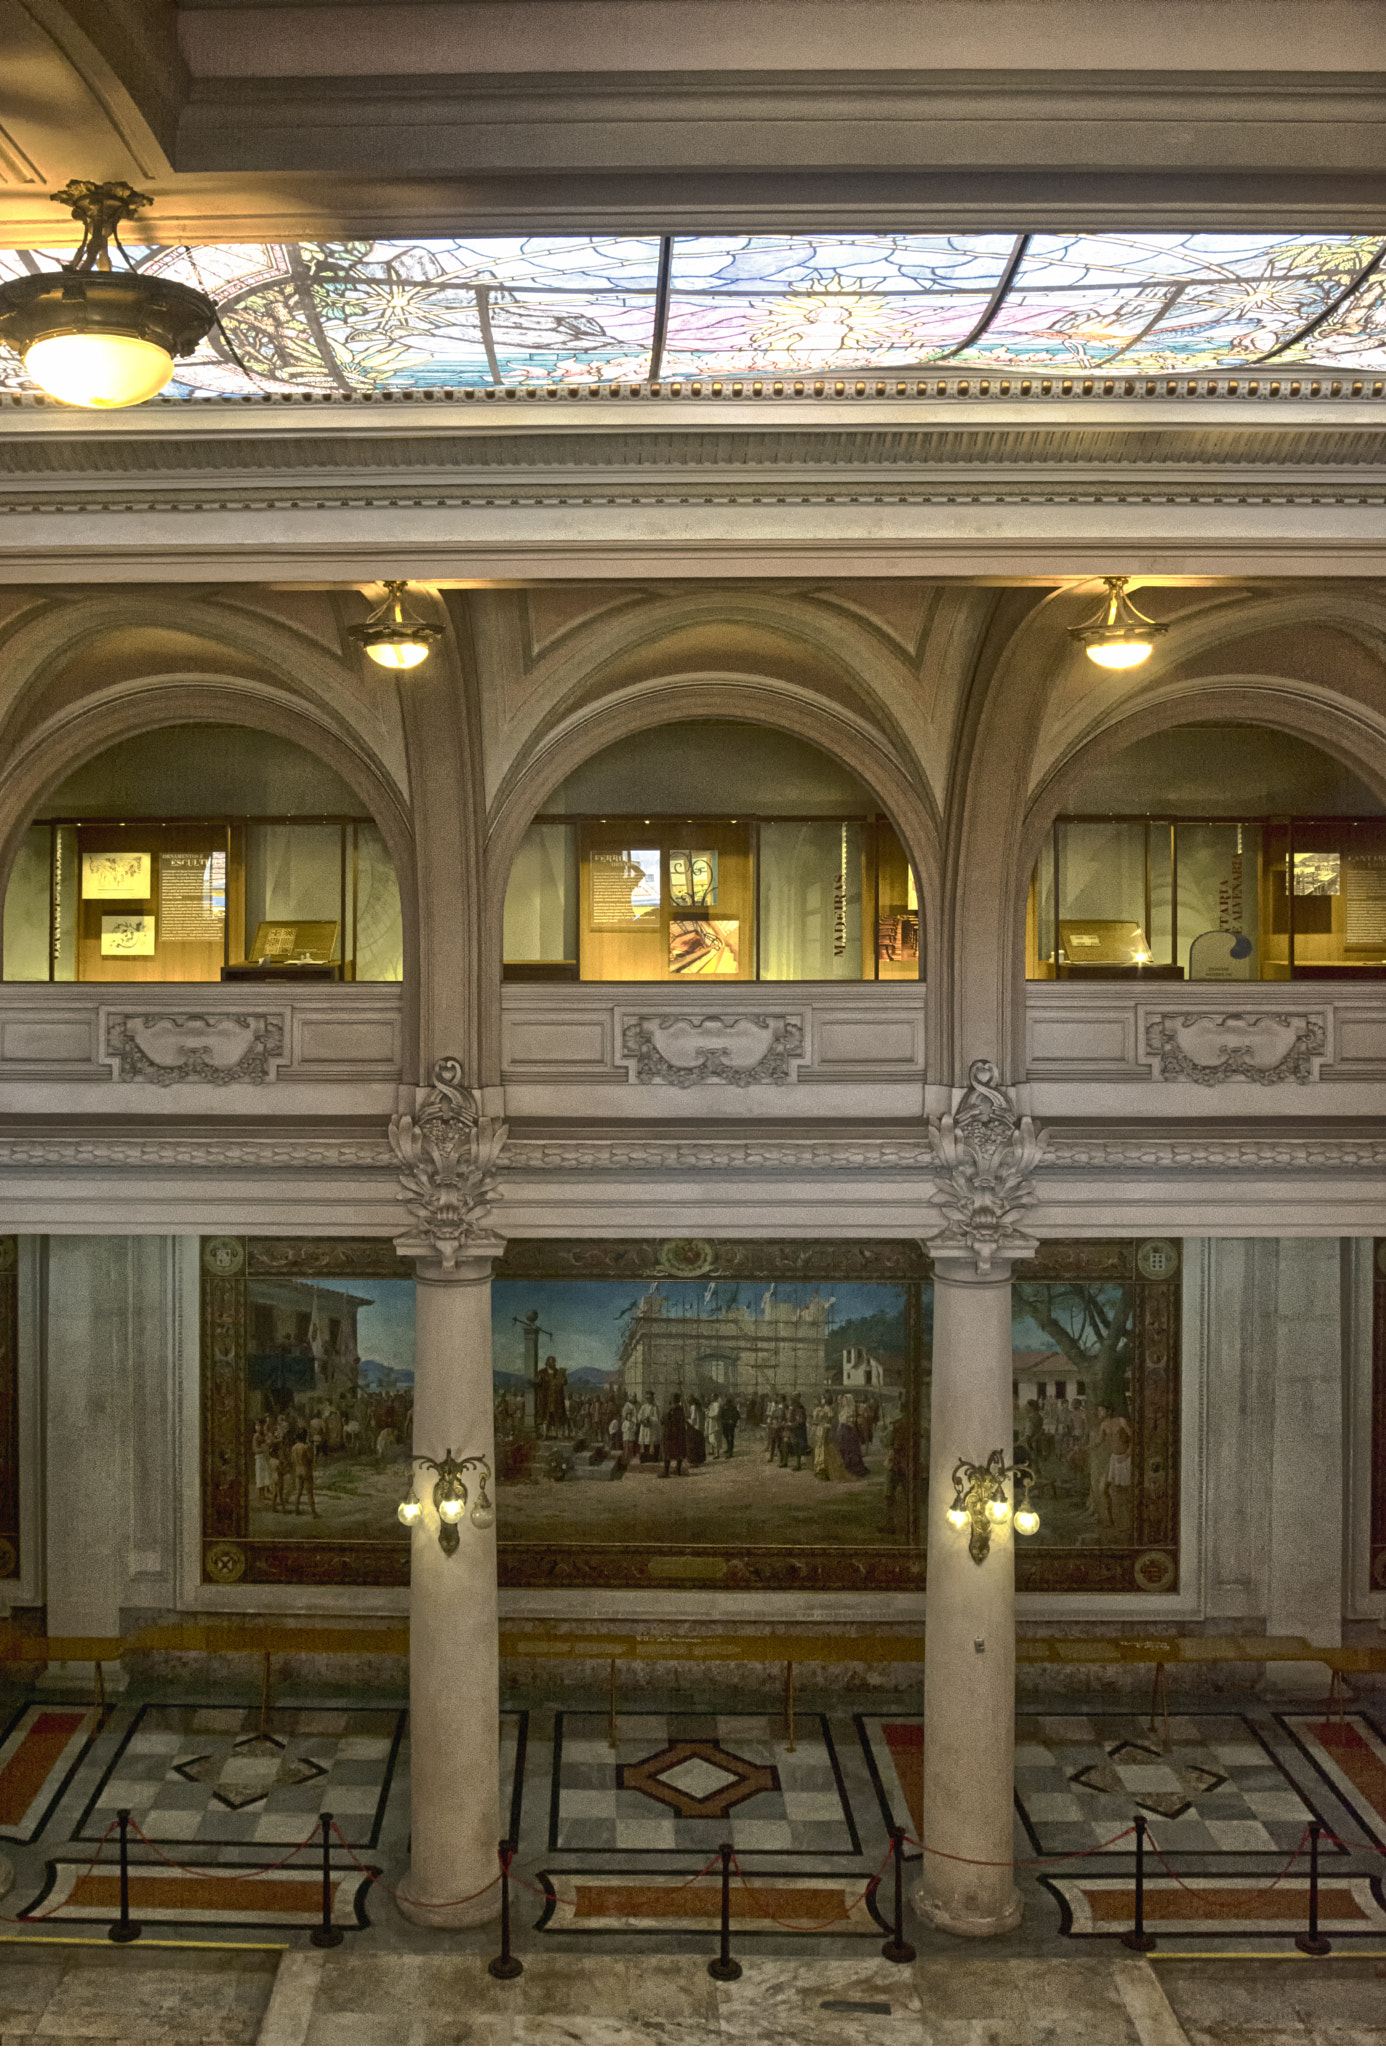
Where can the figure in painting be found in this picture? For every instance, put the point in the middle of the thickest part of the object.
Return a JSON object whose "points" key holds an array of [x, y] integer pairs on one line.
{"points": [[728, 1420], [630, 1429], [647, 1422], [849, 1438], [1116, 1483], [794, 1441], [897, 1471], [674, 1436], [697, 1437]]}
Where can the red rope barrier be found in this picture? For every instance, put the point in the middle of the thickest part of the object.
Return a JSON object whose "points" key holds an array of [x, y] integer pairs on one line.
{"points": [[234, 1871], [424, 1905], [810, 1927], [22, 1919], [1205, 1897], [1020, 1862]]}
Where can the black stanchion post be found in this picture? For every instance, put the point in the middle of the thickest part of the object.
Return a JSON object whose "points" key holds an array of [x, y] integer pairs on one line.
{"points": [[124, 1929], [326, 1936], [1138, 1939], [1313, 1943], [897, 1949], [725, 1969], [505, 1964]]}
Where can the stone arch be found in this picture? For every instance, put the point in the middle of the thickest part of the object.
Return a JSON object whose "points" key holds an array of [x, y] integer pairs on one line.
{"points": [[85, 729], [755, 700]]}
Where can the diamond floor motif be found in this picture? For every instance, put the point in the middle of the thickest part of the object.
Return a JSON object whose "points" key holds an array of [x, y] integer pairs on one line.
{"points": [[726, 1779], [256, 1764]]}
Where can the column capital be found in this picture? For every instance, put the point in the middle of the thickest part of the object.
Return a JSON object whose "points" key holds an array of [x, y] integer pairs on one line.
{"points": [[448, 1149], [985, 1154], [472, 1262]]}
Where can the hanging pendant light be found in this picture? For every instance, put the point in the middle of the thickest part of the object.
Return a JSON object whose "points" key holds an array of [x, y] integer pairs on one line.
{"points": [[93, 336], [394, 637], [1117, 635]]}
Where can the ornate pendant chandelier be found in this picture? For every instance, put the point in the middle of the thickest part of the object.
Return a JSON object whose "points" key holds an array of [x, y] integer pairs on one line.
{"points": [[93, 336]]}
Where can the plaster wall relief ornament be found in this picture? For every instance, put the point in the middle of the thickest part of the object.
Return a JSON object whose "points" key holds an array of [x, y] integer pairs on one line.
{"points": [[448, 1153], [685, 1051], [167, 1049], [1264, 1048], [985, 1154]]}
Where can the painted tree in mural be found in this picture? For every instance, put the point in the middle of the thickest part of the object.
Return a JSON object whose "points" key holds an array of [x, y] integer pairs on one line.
{"points": [[1091, 1325]]}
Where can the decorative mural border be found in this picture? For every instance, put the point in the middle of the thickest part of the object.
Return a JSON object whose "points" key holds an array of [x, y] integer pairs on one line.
{"points": [[9, 1408], [1147, 1561], [230, 1555], [1377, 1565]]}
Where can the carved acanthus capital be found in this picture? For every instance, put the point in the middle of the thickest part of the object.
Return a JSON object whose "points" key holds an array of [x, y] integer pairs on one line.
{"points": [[448, 1153], [985, 1154]]}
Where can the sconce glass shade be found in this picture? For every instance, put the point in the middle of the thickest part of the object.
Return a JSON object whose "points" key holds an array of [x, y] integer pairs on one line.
{"points": [[1117, 635], [998, 1510], [452, 1508], [483, 1514], [393, 637], [409, 1511], [1026, 1521], [101, 339], [958, 1516]]}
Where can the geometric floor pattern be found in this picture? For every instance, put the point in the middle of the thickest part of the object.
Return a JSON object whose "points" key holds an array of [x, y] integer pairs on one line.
{"points": [[616, 1839], [1349, 1753], [688, 1782], [1219, 1790], [1241, 1905], [40, 1751], [207, 1774]]}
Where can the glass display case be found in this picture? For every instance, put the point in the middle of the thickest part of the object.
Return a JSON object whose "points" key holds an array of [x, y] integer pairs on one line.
{"points": [[731, 899], [1209, 899], [203, 899]]}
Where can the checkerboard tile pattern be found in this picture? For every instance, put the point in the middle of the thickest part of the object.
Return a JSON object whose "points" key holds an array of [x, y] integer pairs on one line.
{"points": [[207, 1774], [1218, 1791], [687, 1782]]}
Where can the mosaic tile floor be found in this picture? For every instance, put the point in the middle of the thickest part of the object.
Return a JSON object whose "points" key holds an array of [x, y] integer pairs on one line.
{"points": [[1225, 1787], [692, 1781], [614, 1841], [209, 1774]]}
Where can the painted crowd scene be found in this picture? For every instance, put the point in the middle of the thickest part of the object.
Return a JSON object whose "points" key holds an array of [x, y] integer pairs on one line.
{"points": [[709, 1412]]}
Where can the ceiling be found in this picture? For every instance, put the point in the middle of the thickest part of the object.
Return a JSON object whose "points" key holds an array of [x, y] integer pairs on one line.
{"points": [[562, 310]]}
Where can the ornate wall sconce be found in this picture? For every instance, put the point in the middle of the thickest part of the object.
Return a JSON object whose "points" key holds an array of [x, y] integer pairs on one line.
{"points": [[450, 1499], [979, 1501]]}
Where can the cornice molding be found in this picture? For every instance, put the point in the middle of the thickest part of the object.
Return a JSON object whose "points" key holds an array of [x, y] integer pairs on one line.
{"points": [[1069, 1153]]}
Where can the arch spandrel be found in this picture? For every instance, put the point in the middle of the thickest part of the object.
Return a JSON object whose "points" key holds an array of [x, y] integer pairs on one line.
{"points": [[53, 655], [792, 641]]}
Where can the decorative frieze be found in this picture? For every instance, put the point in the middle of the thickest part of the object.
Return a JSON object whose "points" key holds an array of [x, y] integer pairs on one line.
{"points": [[1209, 1048], [168, 1047], [687, 1050]]}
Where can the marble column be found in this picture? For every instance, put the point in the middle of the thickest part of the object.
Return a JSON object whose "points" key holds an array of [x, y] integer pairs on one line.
{"points": [[447, 1145], [1304, 1589], [969, 1644], [454, 1666]]}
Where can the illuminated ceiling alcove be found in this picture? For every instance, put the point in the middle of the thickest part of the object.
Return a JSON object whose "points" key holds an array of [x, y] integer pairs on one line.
{"points": [[363, 317]]}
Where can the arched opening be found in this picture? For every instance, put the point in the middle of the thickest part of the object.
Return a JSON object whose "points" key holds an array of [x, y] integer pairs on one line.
{"points": [[1213, 853], [203, 852], [712, 848]]}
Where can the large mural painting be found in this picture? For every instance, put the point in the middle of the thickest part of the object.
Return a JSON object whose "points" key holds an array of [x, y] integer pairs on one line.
{"points": [[684, 1413], [707, 1412]]}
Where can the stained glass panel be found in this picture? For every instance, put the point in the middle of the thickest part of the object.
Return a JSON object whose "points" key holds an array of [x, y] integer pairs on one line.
{"points": [[398, 315]]}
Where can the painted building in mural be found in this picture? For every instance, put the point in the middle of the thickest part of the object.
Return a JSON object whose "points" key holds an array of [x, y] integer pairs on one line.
{"points": [[766, 1347]]}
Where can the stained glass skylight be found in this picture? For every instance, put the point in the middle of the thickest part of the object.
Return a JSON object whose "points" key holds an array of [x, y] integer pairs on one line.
{"points": [[553, 310]]}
